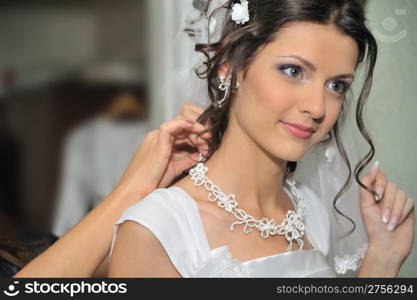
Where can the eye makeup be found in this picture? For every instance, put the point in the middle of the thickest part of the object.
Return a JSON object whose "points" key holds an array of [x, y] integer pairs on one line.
{"points": [[291, 67], [294, 71], [345, 86]]}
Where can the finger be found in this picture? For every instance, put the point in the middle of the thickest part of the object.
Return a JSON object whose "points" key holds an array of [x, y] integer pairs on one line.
{"points": [[380, 187], [199, 128], [197, 138], [367, 199], [380, 184], [184, 141], [409, 206], [168, 130], [189, 107], [410, 219], [191, 140], [201, 145], [186, 162], [198, 146], [387, 202], [399, 203], [190, 111], [200, 139], [200, 132], [194, 139], [203, 149]]}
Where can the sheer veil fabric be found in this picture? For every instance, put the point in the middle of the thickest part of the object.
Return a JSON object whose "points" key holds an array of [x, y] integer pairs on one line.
{"points": [[322, 168]]}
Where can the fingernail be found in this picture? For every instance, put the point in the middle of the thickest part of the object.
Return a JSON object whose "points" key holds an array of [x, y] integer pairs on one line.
{"points": [[386, 215], [380, 191], [376, 164], [190, 122], [393, 223]]}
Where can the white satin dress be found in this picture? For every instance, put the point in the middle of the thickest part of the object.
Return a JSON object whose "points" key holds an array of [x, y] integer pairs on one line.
{"points": [[174, 219]]}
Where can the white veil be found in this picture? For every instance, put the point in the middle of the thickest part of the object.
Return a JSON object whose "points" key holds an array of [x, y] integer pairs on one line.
{"points": [[322, 168]]}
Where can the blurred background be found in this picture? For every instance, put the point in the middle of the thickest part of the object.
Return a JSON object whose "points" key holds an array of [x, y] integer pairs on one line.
{"points": [[82, 81]]}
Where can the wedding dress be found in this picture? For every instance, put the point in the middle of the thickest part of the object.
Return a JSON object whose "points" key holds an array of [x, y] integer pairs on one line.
{"points": [[174, 219]]}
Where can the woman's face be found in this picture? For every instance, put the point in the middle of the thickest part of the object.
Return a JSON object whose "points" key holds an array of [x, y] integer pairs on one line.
{"points": [[301, 77]]}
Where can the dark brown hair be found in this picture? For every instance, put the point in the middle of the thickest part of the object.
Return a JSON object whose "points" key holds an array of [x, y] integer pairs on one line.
{"points": [[239, 44]]}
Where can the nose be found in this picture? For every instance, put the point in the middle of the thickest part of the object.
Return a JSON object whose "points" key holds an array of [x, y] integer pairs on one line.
{"points": [[313, 101]]}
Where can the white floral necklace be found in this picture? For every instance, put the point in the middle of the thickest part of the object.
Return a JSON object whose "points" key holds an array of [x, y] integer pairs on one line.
{"points": [[292, 226]]}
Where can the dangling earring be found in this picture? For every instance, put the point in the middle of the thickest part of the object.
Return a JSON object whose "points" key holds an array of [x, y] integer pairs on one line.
{"points": [[224, 86]]}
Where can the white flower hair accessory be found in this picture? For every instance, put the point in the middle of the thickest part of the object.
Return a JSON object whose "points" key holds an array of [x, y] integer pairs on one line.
{"points": [[240, 12]]}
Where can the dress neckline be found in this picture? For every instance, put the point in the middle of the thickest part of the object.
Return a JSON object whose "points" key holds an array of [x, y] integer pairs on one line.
{"points": [[207, 245]]}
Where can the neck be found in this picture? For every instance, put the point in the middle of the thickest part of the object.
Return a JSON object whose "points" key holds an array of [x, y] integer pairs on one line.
{"points": [[242, 168]]}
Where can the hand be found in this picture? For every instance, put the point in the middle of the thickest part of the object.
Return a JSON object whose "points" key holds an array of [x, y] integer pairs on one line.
{"points": [[165, 153], [390, 222]]}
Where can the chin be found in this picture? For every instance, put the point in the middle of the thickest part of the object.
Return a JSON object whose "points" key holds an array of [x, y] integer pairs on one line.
{"points": [[293, 157], [292, 153]]}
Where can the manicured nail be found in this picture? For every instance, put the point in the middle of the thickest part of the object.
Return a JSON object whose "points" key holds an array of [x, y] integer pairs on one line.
{"points": [[376, 164], [380, 191], [386, 215], [393, 223]]}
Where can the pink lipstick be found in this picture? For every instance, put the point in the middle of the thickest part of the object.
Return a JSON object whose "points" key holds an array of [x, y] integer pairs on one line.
{"points": [[298, 130]]}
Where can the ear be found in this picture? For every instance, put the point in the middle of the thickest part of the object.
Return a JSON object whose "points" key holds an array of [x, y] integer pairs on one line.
{"points": [[224, 70]]}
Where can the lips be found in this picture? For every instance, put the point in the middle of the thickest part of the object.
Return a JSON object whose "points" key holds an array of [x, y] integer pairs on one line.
{"points": [[297, 131], [301, 127]]}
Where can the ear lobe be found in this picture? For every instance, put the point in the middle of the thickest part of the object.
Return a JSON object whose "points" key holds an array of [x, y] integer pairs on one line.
{"points": [[223, 70]]}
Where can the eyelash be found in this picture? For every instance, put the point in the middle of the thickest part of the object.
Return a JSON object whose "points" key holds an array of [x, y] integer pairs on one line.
{"points": [[282, 69]]}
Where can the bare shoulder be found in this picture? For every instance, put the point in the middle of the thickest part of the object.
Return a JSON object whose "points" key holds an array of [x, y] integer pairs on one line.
{"points": [[138, 253]]}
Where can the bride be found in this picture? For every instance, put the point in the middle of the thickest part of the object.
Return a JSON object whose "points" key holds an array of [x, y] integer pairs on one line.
{"points": [[278, 80]]}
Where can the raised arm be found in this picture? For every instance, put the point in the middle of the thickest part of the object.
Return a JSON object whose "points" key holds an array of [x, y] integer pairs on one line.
{"points": [[81, 251]]}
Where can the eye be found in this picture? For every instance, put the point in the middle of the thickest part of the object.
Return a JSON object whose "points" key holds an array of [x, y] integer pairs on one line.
{"points": [[292, 71], [339, 86]]}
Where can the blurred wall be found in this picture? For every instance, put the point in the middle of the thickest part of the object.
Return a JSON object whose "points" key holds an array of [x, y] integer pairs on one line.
{"points": [[41, 44], [169, 51], [41, 40], [31, 36]]}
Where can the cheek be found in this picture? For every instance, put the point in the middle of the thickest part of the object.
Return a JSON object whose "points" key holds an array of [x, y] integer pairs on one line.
{"points": [[333, 111], [268, 95]]}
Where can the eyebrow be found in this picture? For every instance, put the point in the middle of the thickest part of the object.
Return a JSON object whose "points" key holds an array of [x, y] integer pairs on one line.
{"points": [[314, 68]]}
